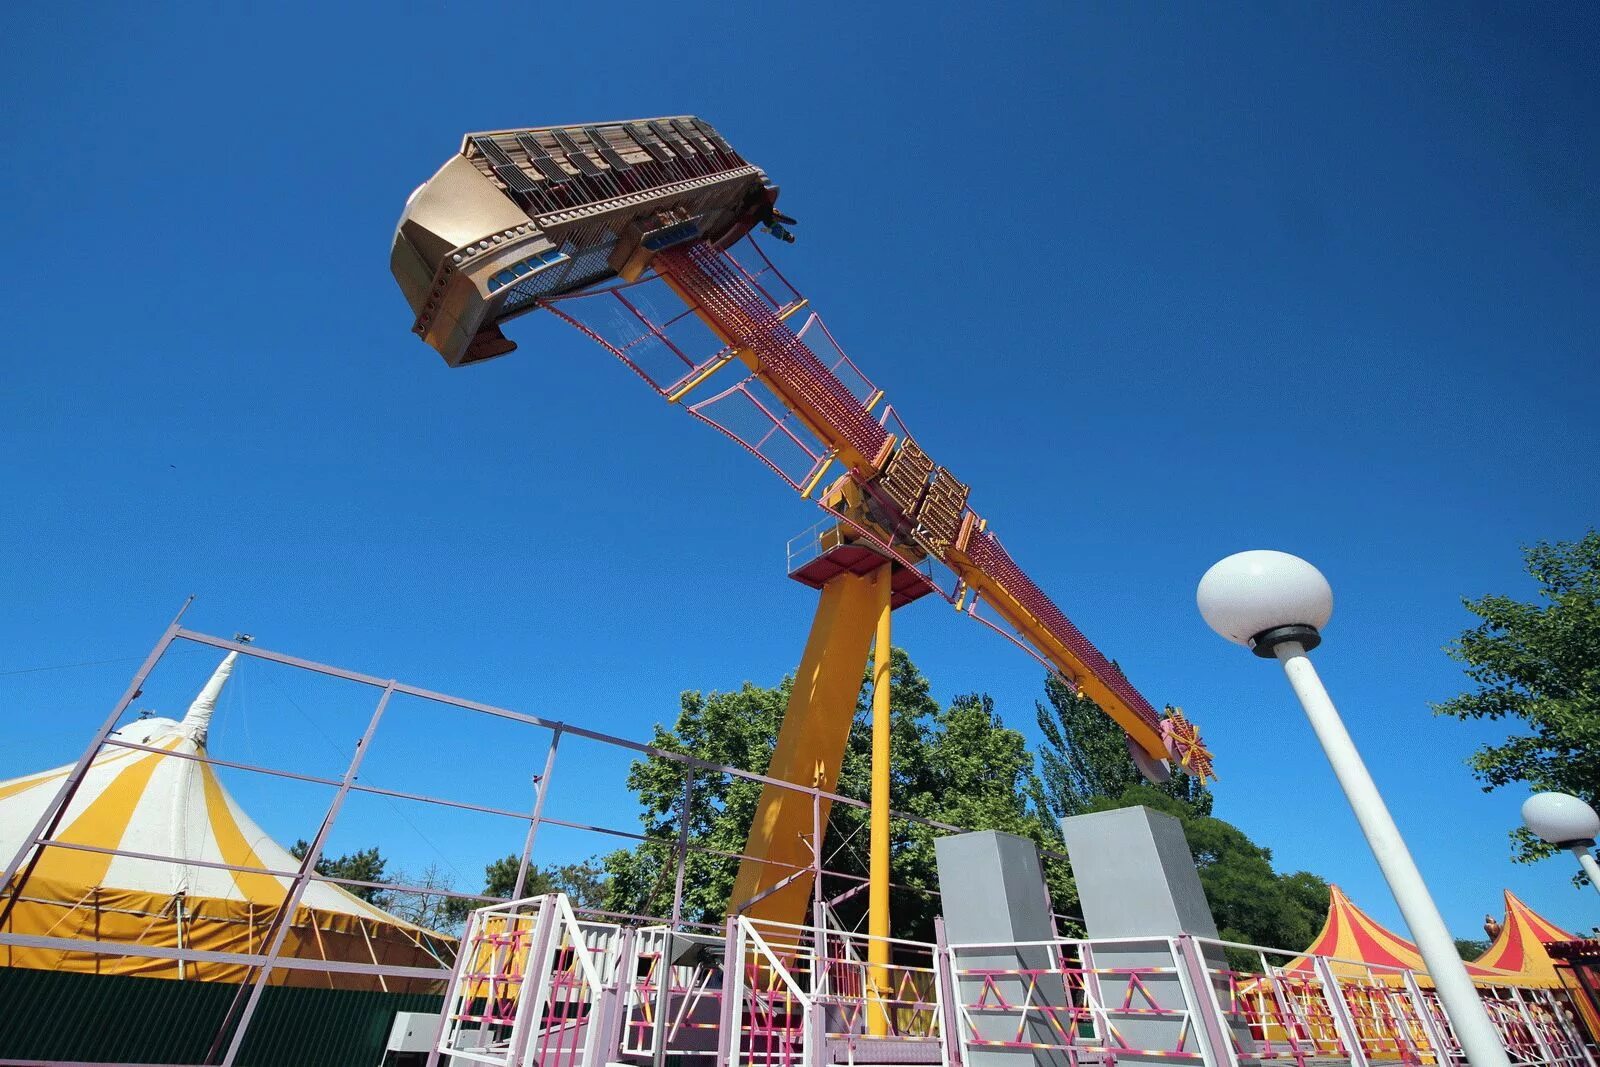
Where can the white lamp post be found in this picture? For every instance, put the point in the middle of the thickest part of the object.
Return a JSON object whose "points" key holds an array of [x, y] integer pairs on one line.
{"points": [[1276, 605], [1568, 822]]}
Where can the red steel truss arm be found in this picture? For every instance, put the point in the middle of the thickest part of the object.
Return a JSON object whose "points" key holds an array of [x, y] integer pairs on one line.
{"points": [[927, 506]]}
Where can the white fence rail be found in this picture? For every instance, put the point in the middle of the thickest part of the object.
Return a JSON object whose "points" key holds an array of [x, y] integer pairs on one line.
{"points": [[536, 987]]}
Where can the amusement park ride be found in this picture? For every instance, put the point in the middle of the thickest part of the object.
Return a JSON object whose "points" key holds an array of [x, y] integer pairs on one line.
{"points": [[526, 219]]}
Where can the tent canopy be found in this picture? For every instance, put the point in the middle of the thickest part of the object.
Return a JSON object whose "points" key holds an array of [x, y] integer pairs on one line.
{"points": [[1357, 940], [1520, 948], [161, 805]]}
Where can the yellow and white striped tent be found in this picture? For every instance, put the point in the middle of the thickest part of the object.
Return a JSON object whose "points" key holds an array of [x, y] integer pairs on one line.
{"points": [[160, 805]]}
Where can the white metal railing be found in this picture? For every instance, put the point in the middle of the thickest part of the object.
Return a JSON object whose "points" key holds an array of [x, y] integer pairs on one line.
{"points": [[534, 985], [528, 986], [672, 999]]}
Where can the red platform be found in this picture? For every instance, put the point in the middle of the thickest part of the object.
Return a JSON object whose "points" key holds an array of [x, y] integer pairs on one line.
{"points": [[847, 558]]}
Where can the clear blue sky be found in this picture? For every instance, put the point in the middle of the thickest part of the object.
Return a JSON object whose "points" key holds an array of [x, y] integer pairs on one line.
{"points": [[1161, 283]]}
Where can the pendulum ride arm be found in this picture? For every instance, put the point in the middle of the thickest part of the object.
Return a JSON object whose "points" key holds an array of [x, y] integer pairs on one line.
{"points": [[816, 724], [903, 486], [537, 218]]}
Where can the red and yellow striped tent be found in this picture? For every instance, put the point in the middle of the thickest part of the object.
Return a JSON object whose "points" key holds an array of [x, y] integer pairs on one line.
{"points": [[1520, 946], [1358, 941]]}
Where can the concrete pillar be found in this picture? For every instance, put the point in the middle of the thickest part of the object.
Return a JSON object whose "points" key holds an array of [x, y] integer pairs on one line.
{"points": [[993, 893], [1136, 878]]}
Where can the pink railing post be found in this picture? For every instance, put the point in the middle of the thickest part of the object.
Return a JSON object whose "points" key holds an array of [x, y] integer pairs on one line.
{"points": [[462, 951], [732, 994], [945, 993], [1426, 1021], [611, 1011], [1343, 1024], [683, 848], [543, 787], [284, 918], [1204, 1007]]}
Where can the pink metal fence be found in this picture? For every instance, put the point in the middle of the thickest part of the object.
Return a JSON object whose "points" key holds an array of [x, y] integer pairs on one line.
{"points": [[772, 995]]}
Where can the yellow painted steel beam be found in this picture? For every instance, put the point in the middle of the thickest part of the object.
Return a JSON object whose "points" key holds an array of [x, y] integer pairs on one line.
{"points": [[710, 368], [1003, 604], [816, 479], [878, 854], [810, 748]]}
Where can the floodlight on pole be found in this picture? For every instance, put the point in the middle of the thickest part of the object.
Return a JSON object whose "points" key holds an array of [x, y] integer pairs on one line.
{"points": [[1566, 822], [1275, 605]]}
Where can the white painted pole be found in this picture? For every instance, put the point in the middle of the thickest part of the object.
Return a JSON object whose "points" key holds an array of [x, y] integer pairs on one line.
{"points": [[1478, 1037], [1587, 861]]}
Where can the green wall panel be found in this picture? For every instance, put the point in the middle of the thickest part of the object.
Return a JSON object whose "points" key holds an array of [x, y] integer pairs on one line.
{"points": [[46, 1015]]}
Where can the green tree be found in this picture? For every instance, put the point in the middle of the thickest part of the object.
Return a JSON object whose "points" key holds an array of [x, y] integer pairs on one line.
{"points": [[1085, 758], [1469, 950], [584, 883], [957, 765], [736, 729], [1537, 666], [366, 865]]}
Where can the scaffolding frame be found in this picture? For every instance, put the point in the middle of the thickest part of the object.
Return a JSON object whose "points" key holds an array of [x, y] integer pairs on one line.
{"points": [[234, 1026]]}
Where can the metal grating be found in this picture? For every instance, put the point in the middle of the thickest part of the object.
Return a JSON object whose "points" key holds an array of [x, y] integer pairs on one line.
{"points": [[939, 519], [691, 136], [577, 156], [715, 138], [542, 160], [503, 167], [905, 478], [721, 292], [658, 152], [612, 157], [588, 265]]}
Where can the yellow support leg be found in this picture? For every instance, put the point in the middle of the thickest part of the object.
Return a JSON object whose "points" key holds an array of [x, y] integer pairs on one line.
{"points": [[878, 868], [810, 748]]}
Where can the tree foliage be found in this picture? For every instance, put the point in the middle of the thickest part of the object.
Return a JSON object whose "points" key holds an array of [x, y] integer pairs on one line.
{"points": [[736, 729], [1536, 665], [957, 765], [365, 865], [585, 883], [1085, 757]]}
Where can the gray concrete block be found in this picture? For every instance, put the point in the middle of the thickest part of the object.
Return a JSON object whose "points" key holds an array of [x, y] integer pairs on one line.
{"points": [[993, 894]]}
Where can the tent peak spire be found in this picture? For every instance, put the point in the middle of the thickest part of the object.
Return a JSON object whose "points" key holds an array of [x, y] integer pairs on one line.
{"points": [[197, 723]]}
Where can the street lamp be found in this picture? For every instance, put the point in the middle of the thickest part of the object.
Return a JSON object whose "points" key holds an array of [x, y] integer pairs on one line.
{"points": [[1275, 605], [1567, 822]]}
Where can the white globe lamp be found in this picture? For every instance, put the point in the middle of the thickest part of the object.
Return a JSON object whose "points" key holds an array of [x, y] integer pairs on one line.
{"points": [[1276, 605], [1259, 598], [1566, 822]]}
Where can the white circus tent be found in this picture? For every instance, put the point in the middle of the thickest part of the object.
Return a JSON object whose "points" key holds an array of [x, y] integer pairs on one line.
{"points": [[168, 806]]}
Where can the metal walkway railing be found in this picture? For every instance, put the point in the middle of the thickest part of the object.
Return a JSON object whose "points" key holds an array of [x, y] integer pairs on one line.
{"points": [[536, 986]]}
